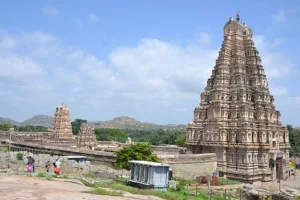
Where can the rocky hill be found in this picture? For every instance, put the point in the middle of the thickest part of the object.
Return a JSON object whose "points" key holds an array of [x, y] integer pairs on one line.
{"points": [[38, 120], [125, 122], [122, 122], [8, 121]]}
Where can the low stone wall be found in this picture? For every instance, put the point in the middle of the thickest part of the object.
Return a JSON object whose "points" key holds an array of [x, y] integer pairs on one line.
{"points": [[190, 166], [66, 166], [64, 151], [167, 150]]}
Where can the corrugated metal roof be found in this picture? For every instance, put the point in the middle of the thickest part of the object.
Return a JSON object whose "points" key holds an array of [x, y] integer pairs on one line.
{"points": [[142, 162]]}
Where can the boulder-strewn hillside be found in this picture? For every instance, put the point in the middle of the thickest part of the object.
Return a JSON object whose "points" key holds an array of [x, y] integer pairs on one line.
{"points": [[125, 122], [8, 121], [122, 122], [38, 120]]}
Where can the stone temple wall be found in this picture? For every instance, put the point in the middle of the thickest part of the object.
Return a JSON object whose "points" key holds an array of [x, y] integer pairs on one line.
{"points": [[190, 166]]}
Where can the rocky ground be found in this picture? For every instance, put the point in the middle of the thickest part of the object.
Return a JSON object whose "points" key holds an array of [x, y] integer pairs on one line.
{"points": [[18, 187]]}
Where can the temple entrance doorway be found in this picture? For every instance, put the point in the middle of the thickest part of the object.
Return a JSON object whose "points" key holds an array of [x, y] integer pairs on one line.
{"points": [[272, 167]]}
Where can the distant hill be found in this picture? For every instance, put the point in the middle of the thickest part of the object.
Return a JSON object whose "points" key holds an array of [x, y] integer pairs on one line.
{"points": [[125, 122], [122, 122], [8, 121], [38, 120]]}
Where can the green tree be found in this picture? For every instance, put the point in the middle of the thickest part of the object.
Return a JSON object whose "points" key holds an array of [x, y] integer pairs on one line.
{"points": [[5, 127], [294, 135], [111, 134], [134, 152], [31, 128], [20, 156], [180, 141], [76, 125]]}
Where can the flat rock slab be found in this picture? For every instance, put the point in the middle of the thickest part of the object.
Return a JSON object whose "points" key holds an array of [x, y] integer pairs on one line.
{"points": [[16, 187]]}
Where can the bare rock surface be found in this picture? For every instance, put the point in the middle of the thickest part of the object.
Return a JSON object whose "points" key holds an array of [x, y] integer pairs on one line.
{"points": [[15, 187]]}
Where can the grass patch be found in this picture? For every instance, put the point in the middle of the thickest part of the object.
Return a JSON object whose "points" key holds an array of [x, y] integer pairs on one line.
{"points": [[90, 175], [225, 181], [42, 174], [101, 191], [175, 194]]}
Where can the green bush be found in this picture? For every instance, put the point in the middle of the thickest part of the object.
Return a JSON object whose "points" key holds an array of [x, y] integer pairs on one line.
{"points": [[42, 174], [19, 156], [134, 152]]}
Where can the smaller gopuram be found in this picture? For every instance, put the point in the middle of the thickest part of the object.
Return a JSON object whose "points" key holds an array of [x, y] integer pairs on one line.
{"points": [[61, 125], [86, 137]]}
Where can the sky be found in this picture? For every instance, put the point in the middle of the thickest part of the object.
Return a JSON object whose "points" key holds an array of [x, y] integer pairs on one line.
{"points": [[149, 60]]}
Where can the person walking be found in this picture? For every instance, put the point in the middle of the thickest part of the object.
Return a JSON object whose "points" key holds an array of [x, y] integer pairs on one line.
{"points": [[57, 167], [33, 164], [47, 166], [30, 166]]}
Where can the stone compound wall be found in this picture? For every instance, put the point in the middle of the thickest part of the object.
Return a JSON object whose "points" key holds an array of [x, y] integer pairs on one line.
{"points": [[167, 150], [190, 166], [66, 168], [40, 162]]}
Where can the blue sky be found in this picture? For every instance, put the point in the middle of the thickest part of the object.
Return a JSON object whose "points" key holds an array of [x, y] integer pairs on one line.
{"points": [[145, 59]]}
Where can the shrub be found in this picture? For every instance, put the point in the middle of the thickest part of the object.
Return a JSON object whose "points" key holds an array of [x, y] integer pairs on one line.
{"points": [[42, 174], [20, 156], [134, 152]]}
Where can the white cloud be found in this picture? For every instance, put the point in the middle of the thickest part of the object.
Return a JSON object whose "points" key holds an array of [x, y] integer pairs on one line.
{"points": [[51, 11], [276, 63], [7, 42], [279, 16], [93, 17], [161, 77], [13, 66], [36, 37]]}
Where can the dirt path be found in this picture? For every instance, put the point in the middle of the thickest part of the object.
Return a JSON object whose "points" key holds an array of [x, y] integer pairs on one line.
{"points": [[15, 187]]}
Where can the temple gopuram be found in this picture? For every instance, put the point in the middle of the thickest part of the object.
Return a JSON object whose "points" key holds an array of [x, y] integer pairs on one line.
{"points": [[236, 118], [86, 137], [61, 125]]}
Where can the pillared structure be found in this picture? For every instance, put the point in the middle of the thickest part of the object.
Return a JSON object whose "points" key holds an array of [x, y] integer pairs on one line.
{"points": [[86, 137], [236, 118], [61, 124]]}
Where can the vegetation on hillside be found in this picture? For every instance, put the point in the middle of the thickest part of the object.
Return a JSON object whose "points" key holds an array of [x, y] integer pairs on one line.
{"points": [[151, 136], [134, 152], [111, 135], [6, 127]]}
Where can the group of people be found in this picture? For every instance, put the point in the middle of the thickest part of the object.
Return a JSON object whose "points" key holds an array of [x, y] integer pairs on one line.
{"points": [[56, 165]]}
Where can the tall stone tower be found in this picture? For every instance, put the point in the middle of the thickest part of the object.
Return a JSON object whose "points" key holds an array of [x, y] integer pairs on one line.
{"points": [[61, 125], [236, 118], [86, 137]]}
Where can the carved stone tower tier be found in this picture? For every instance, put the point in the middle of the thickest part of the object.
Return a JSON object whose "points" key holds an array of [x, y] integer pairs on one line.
{"points": [[86, 137], [236, 118], [61, 125]]}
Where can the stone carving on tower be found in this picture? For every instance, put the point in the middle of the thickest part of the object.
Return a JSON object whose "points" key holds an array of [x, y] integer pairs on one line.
{"points": [[86, 137], [61, 124], [236, 118]]}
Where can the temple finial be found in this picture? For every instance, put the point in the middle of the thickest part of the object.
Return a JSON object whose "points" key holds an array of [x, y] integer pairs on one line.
{"points": [[238, 16]]}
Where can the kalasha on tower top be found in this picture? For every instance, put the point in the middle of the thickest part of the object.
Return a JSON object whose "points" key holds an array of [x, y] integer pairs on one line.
{"points": [[236, 118]]}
